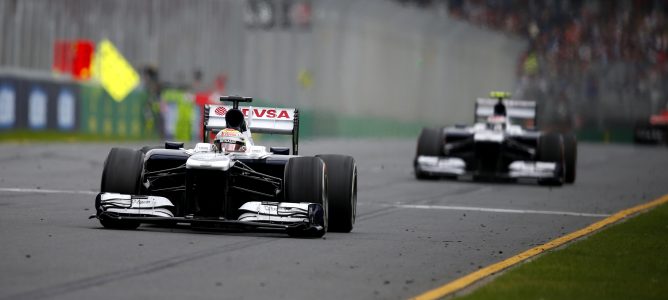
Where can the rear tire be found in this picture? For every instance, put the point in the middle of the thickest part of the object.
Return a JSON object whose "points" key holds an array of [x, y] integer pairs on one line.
{"points": [[122, 174], [570, 157], [551, 149], [305, 180], [341, 191], [430, 143]]}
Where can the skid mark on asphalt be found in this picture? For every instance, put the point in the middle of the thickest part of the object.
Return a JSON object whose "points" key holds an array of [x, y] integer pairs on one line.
{"points": [[450, 193], [462, 191], [458, 191], [381, 185], [494, 210], [45, 191], [376, 213], [102, 279]]}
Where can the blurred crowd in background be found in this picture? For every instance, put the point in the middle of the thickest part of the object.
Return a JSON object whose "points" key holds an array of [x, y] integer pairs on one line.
{"points": [[608, 55]]}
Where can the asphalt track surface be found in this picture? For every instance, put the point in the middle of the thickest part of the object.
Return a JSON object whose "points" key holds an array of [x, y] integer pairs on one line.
{"points": [[410, 236]]}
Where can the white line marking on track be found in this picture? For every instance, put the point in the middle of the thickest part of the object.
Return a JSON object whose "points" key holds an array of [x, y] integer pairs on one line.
{"points": [[45, 191], [497, 210]]}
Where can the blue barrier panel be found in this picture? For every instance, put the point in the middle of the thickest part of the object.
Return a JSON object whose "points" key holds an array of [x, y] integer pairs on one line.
{"points": [[7, 105], [38, 104]]}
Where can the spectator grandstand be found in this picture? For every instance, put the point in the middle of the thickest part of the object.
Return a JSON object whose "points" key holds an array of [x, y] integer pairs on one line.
{"points": [[597, 64]]}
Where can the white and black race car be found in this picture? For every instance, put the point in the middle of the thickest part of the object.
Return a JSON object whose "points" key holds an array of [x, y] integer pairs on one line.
{"points": [[502, 144], [253, 189]]}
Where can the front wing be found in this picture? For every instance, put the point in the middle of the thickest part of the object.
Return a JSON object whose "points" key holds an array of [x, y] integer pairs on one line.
{"points": [[454, 166], [299, 219]]}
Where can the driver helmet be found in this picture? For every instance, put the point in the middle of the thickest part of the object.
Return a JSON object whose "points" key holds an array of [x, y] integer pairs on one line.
{"points": [[495, 122], [230, 140], [496, 119]]}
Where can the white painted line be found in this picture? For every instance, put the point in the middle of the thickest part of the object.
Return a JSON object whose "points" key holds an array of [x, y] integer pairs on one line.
{"points": [[45, 191], [497, 210]]}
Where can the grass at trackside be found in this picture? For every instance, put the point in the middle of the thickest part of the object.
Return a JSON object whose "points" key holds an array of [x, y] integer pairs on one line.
{"points": [[626, 261], [27, 136]]}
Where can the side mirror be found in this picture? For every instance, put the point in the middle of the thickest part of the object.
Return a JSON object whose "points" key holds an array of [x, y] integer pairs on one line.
{"points": [[173, 145], [280, 150]]}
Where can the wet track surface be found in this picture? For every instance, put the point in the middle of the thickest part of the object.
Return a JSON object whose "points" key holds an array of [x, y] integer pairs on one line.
{"points": [[410, 235]]}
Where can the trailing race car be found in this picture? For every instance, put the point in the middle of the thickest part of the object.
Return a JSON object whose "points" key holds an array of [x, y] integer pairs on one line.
{"points": [[231, 183], [496, 147]]}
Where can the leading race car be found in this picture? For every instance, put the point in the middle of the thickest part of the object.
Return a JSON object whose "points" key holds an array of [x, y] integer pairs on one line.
{"points": [[231, 183], [497, 146]]}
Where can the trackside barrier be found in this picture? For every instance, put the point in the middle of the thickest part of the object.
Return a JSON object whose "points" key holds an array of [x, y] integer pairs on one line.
{"points": [[38, 102], [102, 116], [32, 101]]}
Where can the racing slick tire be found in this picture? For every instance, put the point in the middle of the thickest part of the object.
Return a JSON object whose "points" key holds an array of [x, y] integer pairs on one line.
{"points": [[430, 143], [570, 157], [122, 174], [551, 149], [341, 191], [305, 180]]}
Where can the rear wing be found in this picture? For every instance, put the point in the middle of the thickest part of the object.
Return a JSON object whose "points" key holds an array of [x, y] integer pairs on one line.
{"points": [[521, 112], [267, 120]]}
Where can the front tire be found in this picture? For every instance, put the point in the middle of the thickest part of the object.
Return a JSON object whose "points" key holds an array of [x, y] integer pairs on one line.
{"points": [[305, 180], [122, 174], [570, 157], [430, 143], [341, 191], [551, 149]]}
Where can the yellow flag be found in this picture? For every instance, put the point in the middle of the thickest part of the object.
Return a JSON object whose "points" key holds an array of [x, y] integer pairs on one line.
{"points": [[113, 71]]}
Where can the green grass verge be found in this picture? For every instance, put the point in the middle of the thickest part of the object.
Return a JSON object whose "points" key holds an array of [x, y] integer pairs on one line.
{"points": [[626, 261], [27, 136], [615, 135]]}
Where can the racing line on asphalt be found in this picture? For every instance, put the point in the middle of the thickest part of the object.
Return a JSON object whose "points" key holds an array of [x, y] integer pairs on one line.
{"points": [[396, 205]]}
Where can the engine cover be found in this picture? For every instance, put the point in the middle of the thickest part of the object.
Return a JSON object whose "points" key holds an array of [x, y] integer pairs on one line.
{"points": [[209, 161]]}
